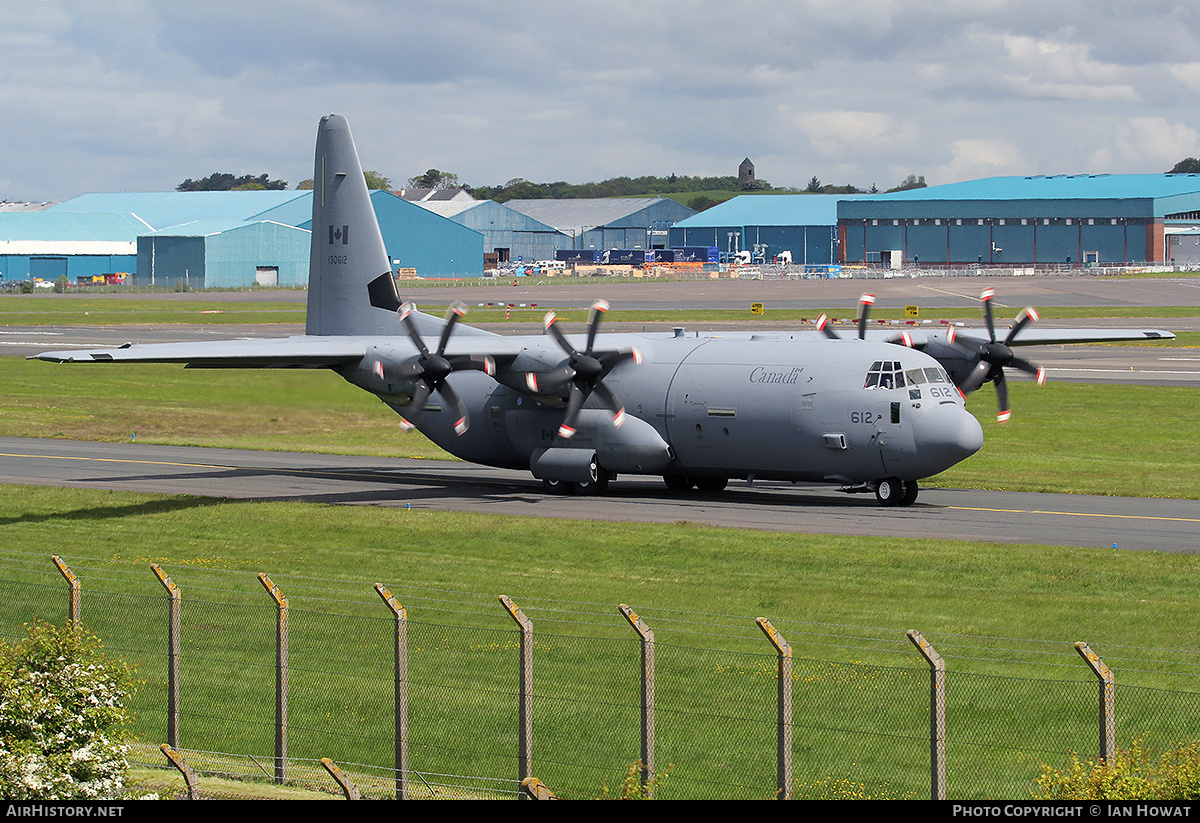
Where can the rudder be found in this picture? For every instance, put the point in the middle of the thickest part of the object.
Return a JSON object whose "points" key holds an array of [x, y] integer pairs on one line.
{"points": [[350, 286]]}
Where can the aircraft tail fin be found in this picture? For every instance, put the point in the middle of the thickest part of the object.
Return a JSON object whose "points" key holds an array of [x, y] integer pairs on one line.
{"points": [[351, 290]]}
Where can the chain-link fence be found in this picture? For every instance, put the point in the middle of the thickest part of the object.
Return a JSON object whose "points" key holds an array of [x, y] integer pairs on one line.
{"points": [[448, 694]]}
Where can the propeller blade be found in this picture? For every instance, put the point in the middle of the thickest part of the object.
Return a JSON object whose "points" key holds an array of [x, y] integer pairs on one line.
{"points": [[549, 382], [976, 378], [453, 313], [550, 324], [864, 307], [1029, 368], [599, 308], [1002, 397], [455, 402], [574, 404], [824, 325], [405, 317], [416, 406], [610, 360], [612, 402], [986, 298], [1026, 317]]}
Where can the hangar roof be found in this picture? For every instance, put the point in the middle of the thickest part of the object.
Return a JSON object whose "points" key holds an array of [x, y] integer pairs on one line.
{"points": [[769, 210], [161, 209], [207, 228], [590, 213], [1056, 187], [1099, 195], [39, 226]]}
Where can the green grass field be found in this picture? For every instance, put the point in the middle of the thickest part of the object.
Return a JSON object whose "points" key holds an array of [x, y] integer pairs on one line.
{"points": [[31, 310], [843, 603]]}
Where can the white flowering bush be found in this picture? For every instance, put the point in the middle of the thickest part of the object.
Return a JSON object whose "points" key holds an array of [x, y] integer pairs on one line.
{"points": [[62, 717]]}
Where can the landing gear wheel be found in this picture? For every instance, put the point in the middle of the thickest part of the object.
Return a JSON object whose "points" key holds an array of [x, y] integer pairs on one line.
{"points": [[597, 486], [889, 491], [677, 482], [712, 484], [910, 493], [559, 487]]}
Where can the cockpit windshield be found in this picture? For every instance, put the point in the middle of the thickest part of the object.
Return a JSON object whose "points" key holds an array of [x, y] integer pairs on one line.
{"points": [[889, 374]]}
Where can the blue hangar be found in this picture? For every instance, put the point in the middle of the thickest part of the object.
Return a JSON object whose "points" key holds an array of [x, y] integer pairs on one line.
{"points": [[1059, 220], [235, 239], [767, 225]]}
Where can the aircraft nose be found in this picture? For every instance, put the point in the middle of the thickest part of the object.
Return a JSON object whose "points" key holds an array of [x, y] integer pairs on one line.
{"points": [[946, 435]]}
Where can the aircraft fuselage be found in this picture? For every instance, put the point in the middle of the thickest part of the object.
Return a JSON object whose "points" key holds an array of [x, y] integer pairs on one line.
{"points": [[768, 406]]}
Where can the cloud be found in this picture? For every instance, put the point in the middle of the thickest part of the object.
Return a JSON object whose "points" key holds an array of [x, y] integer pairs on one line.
{"points": [[971, 159], [139, 94]]}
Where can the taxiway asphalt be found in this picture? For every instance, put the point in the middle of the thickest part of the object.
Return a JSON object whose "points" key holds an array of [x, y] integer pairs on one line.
{"points": [[992, 516]]}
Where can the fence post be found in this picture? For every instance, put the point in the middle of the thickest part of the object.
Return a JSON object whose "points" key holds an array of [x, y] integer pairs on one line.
{"points": [[525, 735], [73, 605], [189, 777], [342, 779], [281, 676], [647, 636], [1108, 722], [783, 770], [173, 604], [401, 697], [937, 715]]}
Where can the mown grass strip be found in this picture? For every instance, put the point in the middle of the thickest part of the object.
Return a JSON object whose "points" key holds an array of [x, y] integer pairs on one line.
{"points": [[699, 587], [30, 310]]}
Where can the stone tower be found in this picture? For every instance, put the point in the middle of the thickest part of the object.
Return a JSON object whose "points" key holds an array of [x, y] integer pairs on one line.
{"points": [[745, 173]]}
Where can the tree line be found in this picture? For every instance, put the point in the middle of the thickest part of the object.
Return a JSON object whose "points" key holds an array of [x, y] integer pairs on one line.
{"points": [[520, 189]]}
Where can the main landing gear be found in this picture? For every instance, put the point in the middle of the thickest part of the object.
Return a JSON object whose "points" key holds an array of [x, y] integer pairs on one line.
{"points": [[892, 491], [597, 485]]}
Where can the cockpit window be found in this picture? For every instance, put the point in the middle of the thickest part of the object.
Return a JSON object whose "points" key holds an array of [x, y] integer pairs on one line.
{"points": [[885, 374]]}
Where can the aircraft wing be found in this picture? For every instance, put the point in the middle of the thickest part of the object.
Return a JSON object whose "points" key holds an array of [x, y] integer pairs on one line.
{"points": [[1049, 337], [1031, 336], [267, 353]]}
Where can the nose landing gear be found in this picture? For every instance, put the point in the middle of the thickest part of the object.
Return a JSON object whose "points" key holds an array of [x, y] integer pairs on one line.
{"points": [[892, 491]]}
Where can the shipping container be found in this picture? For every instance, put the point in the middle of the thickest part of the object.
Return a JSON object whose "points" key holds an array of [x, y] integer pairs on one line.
{"points": [[585, 256], [697, 254], [628, 257]]}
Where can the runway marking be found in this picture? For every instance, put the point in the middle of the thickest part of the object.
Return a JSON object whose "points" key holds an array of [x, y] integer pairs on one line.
{"points": [[120, 460], [1076, 514]]}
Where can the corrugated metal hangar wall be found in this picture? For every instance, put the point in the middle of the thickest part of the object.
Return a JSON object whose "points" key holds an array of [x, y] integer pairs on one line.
{"points": [[1029, 221]]}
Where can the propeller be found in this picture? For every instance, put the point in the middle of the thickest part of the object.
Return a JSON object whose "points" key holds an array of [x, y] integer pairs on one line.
{"points": [[431, 369], [584, 372], [864, 307], [994, 356]]}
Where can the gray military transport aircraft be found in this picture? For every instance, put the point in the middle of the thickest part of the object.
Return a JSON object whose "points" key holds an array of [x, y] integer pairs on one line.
{"points": [[577, 410]]}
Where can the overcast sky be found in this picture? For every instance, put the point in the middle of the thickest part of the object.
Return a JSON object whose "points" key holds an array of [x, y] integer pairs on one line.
{"points": [[136, 95]]}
